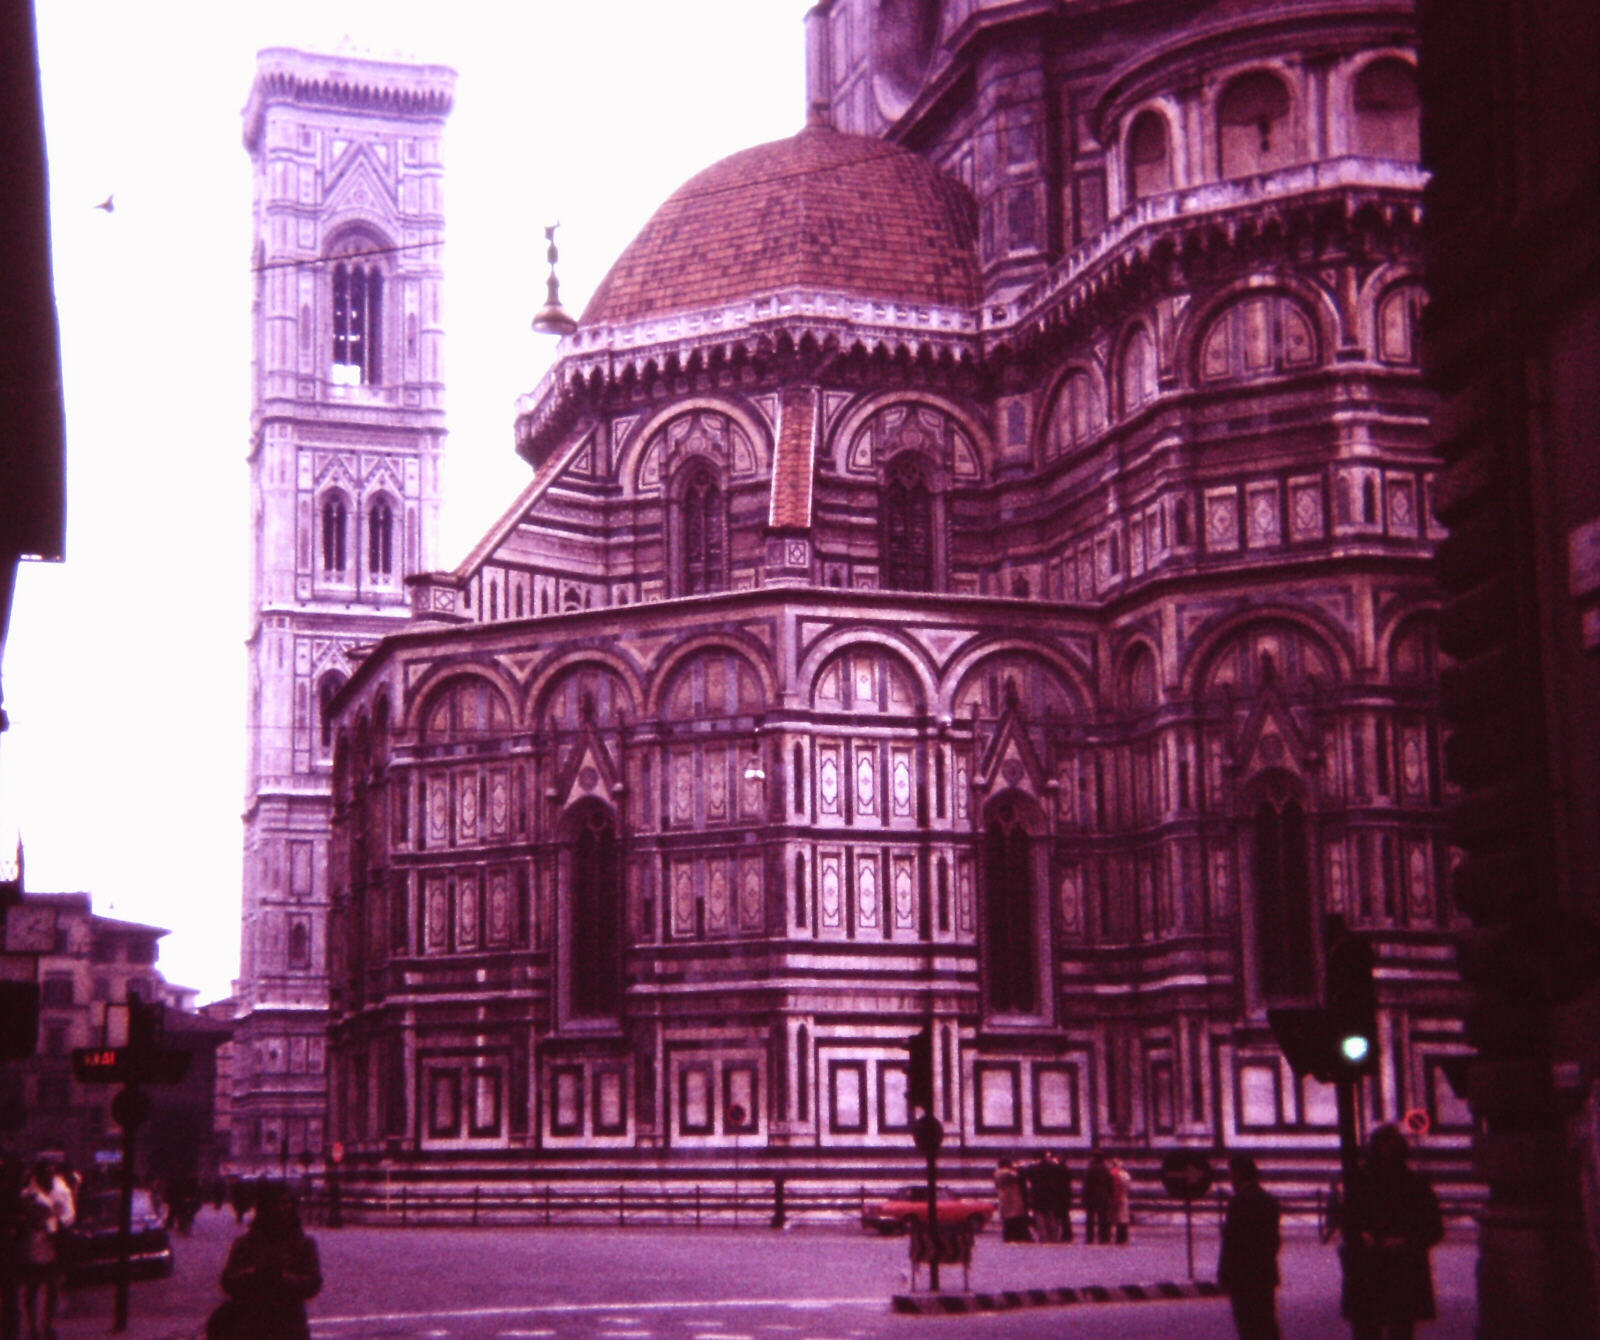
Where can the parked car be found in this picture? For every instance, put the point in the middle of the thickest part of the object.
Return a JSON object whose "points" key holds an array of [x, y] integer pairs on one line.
{"points": [[89, 1248], [894, 1214]]}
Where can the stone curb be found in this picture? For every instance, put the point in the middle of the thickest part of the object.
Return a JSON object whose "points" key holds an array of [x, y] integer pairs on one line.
{"points": [[1006, 1300]]}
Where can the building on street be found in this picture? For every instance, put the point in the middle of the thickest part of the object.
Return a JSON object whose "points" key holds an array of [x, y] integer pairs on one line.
{"points": [[975, 571]]}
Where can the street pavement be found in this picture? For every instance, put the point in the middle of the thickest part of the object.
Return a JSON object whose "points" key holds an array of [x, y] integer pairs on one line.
{"points": [[809, 1283]]}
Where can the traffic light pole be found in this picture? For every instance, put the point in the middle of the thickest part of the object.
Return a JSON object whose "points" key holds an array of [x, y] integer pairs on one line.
{"points": [[128, 1107]]}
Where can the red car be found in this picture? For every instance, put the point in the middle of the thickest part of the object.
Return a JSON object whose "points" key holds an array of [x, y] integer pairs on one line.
{"points": [[895, 1213]]}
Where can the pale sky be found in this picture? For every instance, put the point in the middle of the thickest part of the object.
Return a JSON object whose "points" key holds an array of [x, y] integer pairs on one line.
{"points": [[125, 667]]}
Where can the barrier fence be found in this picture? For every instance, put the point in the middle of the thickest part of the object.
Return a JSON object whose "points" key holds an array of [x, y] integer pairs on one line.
{"points": [[756, 1204]]}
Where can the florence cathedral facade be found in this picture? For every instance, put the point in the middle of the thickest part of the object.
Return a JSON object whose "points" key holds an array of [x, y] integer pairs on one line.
{"points": [[974, 572]]}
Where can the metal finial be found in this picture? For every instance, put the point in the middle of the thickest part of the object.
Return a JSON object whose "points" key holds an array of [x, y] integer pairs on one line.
{"points": [[552, 318]]}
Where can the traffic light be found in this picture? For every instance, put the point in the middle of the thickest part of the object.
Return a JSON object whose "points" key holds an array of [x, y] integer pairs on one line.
{"points": [[1352, 1004], [145, 1060], [919, 1069], [1304, 1035]]}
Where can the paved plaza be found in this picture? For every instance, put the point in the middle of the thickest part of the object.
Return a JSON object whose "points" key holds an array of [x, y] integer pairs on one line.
{"points": [[811, 1283]]}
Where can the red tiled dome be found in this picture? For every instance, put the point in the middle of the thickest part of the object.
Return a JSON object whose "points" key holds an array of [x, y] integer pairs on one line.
{"points": [[825, 211]]}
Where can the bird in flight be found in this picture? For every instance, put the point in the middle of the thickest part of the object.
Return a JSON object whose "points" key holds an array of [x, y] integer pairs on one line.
{"points": [[109, 204]]}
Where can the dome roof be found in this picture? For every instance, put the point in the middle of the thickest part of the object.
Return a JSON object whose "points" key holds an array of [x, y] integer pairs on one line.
{"points": [[822, 211]]}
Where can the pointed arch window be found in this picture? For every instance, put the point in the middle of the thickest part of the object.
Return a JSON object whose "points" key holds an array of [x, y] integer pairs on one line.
{"points": [[703, 531], [380, 540], [327, 687], [357, 324], [335, 521], [1010, 957], [1283, 899], [907, 528], [596, 961]]}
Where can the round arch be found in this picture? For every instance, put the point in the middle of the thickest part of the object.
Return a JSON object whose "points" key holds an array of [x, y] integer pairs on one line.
{"points": [[913, 658], [1226, 80], [961, 667], [666, 669], [1170, 115], [562, 663], [1315, 302], [629, 454], [1085, 365], [1408, 619], [421, 694], [856, 417], [1141, 332], [1344, 81], [1201, 656], [1125, 665]]}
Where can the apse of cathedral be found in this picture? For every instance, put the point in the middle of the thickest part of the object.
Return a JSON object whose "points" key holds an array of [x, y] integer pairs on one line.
{"points": [[974, 572]]}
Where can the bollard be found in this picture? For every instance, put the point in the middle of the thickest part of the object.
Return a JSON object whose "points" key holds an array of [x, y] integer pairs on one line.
{"points": [[778, 1215], [697, 1205], [622, 1213], [547, 1205], [402, 1205], [475, 1191]]}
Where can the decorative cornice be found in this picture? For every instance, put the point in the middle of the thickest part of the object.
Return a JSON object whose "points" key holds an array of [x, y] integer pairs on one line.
{"points": [[346, 83], [597, 357]]}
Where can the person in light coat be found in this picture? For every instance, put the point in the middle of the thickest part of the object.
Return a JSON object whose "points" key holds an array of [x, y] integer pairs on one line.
{"points": [[1121, 1205]]}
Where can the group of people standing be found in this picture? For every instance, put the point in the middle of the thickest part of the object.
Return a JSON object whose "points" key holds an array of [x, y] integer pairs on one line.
{"points": [[1390, 1219], [1035, 1200], [33, 1227]]}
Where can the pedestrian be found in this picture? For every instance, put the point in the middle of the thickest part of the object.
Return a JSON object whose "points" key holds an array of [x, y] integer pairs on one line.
{"points": [[1247, 1269], [1013, 1204], [272, 1269], [1034, 1177], [47, 1212], [1391, 1219], [1051, 1198], [1097, 1200], [1063, 1175], [241, 1195], [1121, 1203]]}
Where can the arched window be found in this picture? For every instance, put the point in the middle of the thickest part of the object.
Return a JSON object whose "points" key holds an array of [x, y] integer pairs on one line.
{"points": [[1010, 958], [1139, 690], [1149, 163], [1387, 112], [380, 540], [357, 324], [1283, 899], [1255, 336], [907, 531], [596, 896], [335, 518], [703, 531], [1079, 413], [1399, 324], [1138, 370], [329, 685], [1253, 125]]}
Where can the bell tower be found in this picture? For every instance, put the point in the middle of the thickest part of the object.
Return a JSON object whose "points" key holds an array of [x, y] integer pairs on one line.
{"points": [[347, 435]]}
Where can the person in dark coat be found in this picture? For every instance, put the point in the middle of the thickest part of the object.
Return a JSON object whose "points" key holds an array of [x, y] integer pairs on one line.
{"points": [[1391, 1219], [1054, 1207], [1013, 1203], [1097, 1189], [272, 1269], [1247, 1269]]}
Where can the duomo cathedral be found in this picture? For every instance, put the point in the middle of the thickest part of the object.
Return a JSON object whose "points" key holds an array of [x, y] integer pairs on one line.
{"points": [[973, 571]]}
